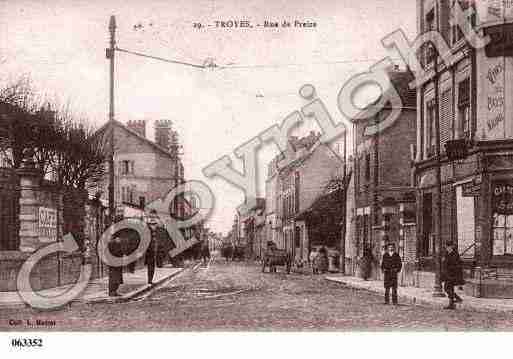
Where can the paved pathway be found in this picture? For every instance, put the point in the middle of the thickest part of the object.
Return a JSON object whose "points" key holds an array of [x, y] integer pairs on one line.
{"points": [[425, 295], [238, 296], [97, 290]]}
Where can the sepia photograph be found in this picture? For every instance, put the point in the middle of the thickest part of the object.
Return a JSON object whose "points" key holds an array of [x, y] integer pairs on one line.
{"points": [[218, 166]]}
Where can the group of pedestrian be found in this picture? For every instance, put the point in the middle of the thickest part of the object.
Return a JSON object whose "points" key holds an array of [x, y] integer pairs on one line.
{"points": [[451, 274], [123, 244], [319, 260]]}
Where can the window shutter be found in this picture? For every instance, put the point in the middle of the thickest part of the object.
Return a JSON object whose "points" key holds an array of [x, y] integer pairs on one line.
{"points": [[445, 9], [446, 118], [297, 193], [464, 92]]}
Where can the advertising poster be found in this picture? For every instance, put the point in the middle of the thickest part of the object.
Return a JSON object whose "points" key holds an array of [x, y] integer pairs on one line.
{"points": [[47, 224]]}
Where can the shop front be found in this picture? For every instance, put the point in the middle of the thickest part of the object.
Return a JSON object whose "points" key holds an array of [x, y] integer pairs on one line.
{"points": [[477, 215]]}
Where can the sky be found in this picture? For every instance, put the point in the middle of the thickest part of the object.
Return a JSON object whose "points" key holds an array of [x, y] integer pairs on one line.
{"points": [[60, 46]]}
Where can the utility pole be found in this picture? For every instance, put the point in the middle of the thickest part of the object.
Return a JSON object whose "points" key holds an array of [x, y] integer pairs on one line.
{"points": [[110, 55], [345, 186], [437, 290]]}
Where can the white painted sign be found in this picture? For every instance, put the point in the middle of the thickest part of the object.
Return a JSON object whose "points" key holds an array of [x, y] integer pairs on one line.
{"points": [[492, 97], [47, 224]]}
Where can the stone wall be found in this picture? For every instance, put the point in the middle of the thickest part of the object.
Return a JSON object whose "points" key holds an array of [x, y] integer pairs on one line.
{"points": [[64, 211], [48, 273]]}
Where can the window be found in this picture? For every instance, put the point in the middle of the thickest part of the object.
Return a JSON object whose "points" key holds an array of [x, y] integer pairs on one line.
{"points": [[128, 194], [297, 237], [464, 123], [296, 192], [127, 167], [502, 217], [429, 49], [131, 197], [430, 127], [430, 21], [502, 234], [367, 167], [446, 118], [427, 246]]}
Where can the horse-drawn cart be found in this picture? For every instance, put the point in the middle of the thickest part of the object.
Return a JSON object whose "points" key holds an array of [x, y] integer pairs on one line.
{"points": [[276, 257]]}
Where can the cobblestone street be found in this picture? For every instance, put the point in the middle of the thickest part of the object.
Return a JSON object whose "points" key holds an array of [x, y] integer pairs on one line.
{"points": [[238, 296]]}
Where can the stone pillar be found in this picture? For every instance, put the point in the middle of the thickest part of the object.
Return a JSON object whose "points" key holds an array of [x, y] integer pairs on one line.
{"points": [[29, 182]]}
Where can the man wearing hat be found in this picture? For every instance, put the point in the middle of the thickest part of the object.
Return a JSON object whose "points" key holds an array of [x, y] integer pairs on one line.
{"points": [[391, 265], [115, 272], [452, 274], [150, 257]]}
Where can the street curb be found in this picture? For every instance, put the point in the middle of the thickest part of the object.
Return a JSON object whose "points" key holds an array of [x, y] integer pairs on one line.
{"points": [[16, 305], [415, 300], [136, 292], [125, 298]]}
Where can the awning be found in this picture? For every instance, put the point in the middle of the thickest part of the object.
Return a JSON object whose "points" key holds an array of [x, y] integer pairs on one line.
{"points": [[324, 219]]}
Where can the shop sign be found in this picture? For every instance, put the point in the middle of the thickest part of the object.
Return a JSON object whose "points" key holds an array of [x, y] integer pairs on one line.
{"points": [[47, 221], [502, 197], [471, 189]]}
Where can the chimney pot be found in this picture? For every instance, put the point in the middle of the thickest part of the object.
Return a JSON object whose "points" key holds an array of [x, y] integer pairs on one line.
{"points": [[138, 126]]}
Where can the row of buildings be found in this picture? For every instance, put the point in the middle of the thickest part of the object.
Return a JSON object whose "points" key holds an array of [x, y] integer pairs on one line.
{"points": [[442, 172]]}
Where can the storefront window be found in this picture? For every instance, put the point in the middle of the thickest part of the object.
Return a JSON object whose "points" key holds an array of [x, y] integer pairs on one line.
{"points": [[502, 217], [502, 234]]}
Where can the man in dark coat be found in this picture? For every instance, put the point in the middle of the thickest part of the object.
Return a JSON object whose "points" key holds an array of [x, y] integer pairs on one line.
{"points": [[452, 274], [150, 258], [115, 273], [391, 266]]}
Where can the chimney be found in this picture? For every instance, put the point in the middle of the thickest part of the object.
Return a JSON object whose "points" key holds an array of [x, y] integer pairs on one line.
{"points": [[163, 133], [138, 126]]}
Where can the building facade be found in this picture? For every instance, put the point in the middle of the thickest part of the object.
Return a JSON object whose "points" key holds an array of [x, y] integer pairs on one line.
{"points": [[383, 191], [470, 97], [144, 170], [304, 175]]}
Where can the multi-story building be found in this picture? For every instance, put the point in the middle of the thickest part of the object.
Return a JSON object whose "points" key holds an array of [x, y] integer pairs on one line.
{"points": [[144, 170], [467, 96], [252, 219], [304, 175], [382, 178], [272, 224]]}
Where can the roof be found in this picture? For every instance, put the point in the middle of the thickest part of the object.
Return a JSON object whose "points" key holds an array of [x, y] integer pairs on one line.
{"points": [[329, 206], [401, 82], [138, 135], [260, 204]]}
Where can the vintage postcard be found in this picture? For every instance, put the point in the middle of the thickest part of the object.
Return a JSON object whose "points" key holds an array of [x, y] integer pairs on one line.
{"points": [[277, 166]]}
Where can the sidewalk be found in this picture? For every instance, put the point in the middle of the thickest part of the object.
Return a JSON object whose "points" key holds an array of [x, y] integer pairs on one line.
{"points": [[134, 285], [424, 296]]}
